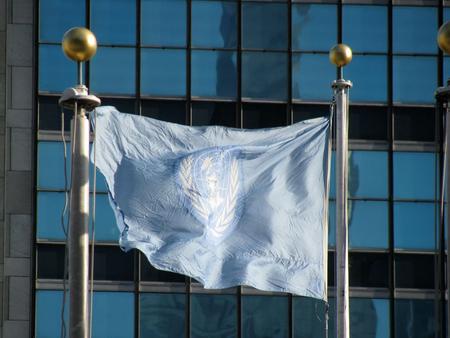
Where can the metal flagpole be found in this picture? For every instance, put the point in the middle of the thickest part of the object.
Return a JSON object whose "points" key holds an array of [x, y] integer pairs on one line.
{"points": [[443, 95], [341, 55], [79, 44]]}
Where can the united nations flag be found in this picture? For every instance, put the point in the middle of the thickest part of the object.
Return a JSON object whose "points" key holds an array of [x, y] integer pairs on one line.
{"points": [[225, 206]]}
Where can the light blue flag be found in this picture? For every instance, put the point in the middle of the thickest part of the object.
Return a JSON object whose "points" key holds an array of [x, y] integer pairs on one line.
{"points": [[225, 206]]}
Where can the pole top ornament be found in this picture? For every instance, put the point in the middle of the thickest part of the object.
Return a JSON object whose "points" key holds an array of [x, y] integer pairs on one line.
{"points": [[79, 44], [340, 55]]}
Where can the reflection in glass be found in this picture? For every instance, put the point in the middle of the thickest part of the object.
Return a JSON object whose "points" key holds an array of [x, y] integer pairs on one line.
{"points": [[414, 318], [56, 72], [213, 316], [413, 24], [113, 315], [257, 33], [414, 175], [264, 316], [414, 225], [162, 315], [369, 318], [264, 75], [368, 174], [114, 22], [53, 25], [214, 24], [309, 317], [406, 71], [214, 113], [368, 224], [48, 313], [310, 21], [365, 28], [311, 76], [163, 72], [113, 71], [214, 74], [163, 23], [370, 73]]}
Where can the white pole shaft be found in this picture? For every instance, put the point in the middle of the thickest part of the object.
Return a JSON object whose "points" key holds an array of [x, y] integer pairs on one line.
{"points": [[78, 225], [342, 279]]}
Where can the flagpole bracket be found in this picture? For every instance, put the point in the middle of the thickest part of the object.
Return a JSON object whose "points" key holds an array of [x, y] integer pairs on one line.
{"points": [[79, 95]]}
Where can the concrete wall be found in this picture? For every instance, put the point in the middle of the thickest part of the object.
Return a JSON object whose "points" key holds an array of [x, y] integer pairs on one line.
{"points": [[16, 166]]}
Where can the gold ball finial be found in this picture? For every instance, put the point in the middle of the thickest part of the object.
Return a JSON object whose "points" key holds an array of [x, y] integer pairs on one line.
{"points": [[340, 55], [443, 37], [79, 44]]}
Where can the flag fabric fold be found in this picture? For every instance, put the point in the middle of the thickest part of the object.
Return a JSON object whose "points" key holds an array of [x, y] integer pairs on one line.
{"points": [[225, 206]]}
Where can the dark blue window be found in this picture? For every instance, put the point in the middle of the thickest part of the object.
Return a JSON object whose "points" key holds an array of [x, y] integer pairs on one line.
{"points": [[312, 75], [414, 318], [162, 315], [369, 317], [214, 113], [214, 74], [332, 223], [163, 22], [264, 75], [113, 71], [163, 72], [414, 175], [309, 317], [256, 30], [114, 22], [213, 316], [414, 225], [214, 24], [369, 74], [414, 30], [310, 21], [165, 110], [56, 71], [365, 28], [264, 316], [57, 16], [415, 79]]}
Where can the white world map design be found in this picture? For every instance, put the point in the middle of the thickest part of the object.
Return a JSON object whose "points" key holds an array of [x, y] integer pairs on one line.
{"points": [[211, 186]]}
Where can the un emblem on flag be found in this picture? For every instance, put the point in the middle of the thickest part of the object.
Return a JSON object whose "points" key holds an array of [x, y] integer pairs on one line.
{"points": [[210, 181]]}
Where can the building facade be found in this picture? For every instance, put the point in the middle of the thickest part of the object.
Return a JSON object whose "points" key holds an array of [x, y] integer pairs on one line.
{"points": [[243, 64]]}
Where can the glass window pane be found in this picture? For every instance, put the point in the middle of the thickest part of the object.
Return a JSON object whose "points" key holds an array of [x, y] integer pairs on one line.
{"points": [[127, 106], [369, 269], [406, 71], [214, 24], [414, 124], [414, 318], [50, 261], [113, 315], [48, 313], [304, 112], [414, 175], [365, 28], [113, 264], [114, 22], [264, 115], [414, 271], [214, 74], [311, 76], [264, 316], [368, 123], [332, 223], [163, 72], [414, 225], [368, 174], [368, 224], [369, 75], [163, 22], [56, 71], [310, 21], [170, 111], [50, 206], [257, 33], [369, 318], [113, 71], [162, 315], [53, 25], [150, 274], [309, 317], [49, 113], [214, 113], [413, 24], [213, 316], [264, 75]]}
